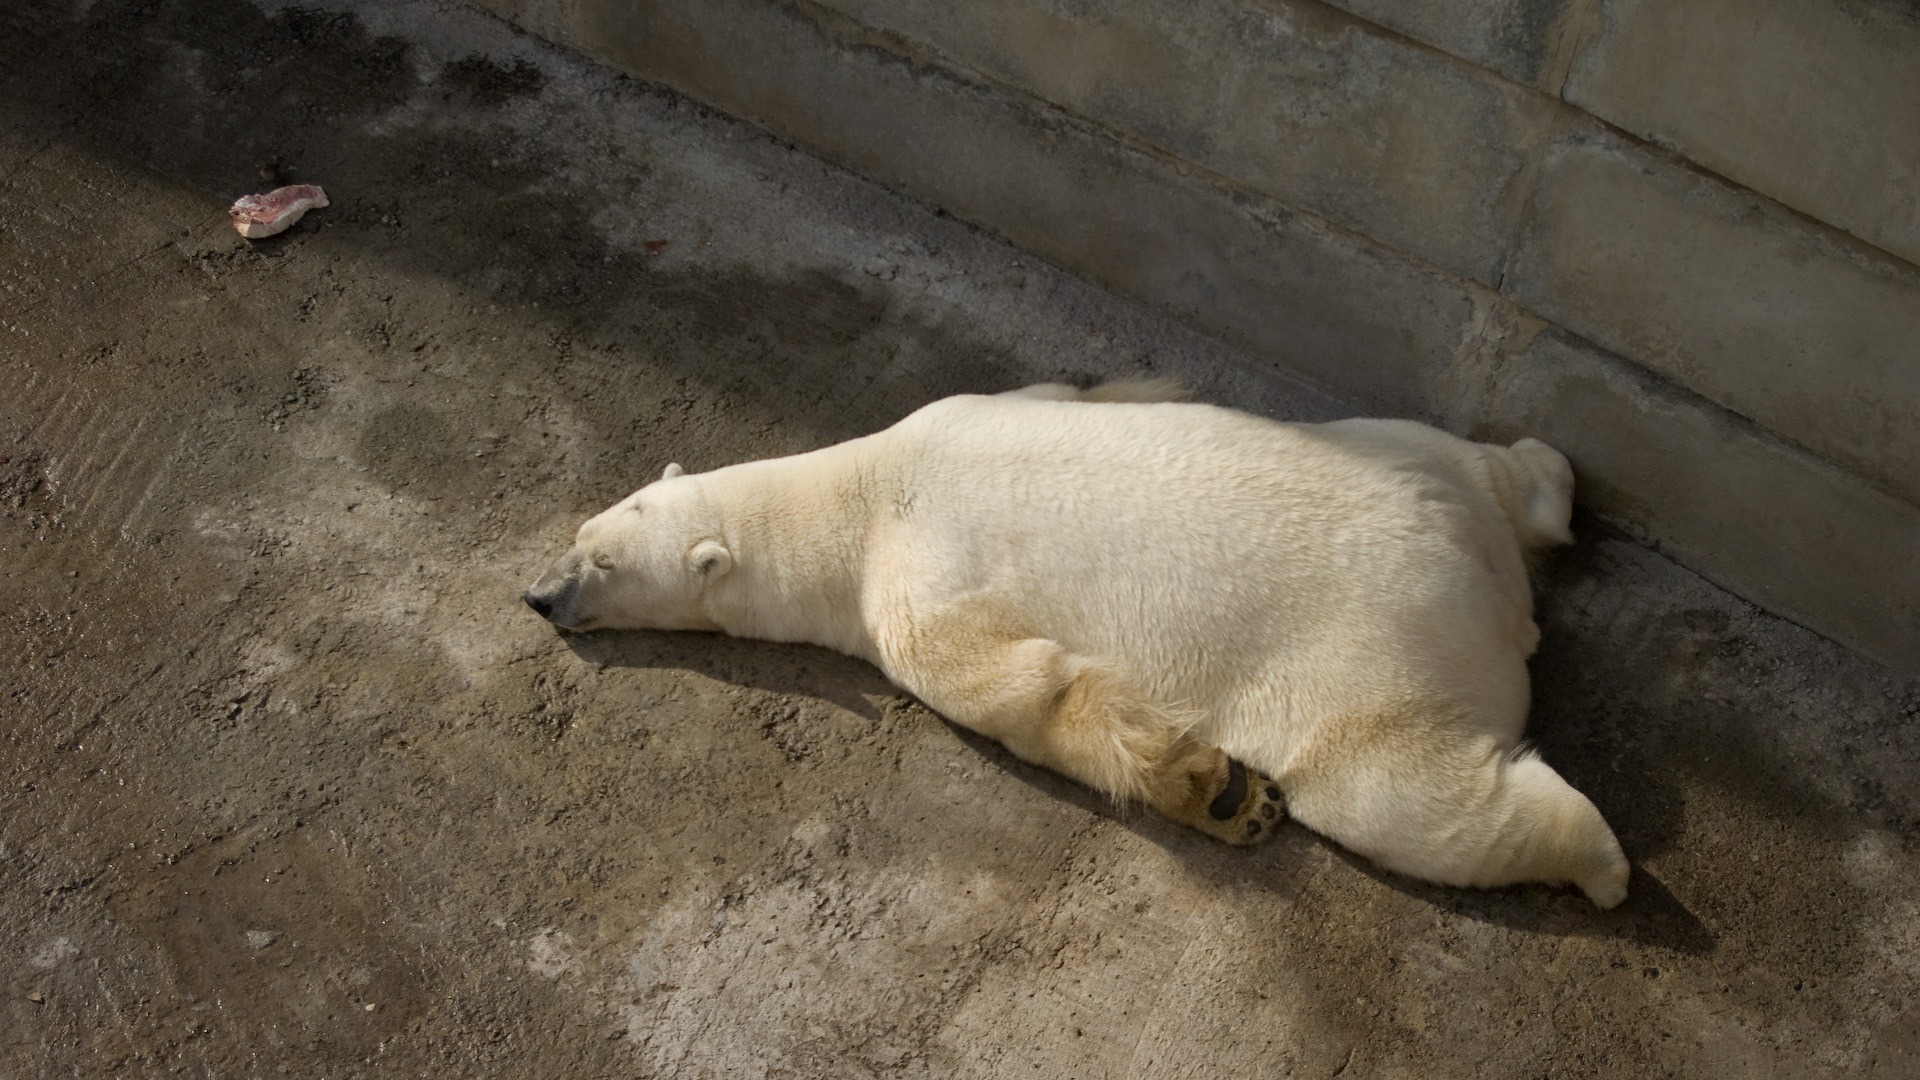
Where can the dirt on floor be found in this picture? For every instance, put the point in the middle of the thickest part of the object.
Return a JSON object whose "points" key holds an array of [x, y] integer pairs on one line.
{"points": [[294, 785]]}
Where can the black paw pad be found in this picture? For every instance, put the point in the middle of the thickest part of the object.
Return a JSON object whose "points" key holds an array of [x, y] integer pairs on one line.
{"points": [[1269, 812], [1273, 793], [1253, 828], [1227, 803]]}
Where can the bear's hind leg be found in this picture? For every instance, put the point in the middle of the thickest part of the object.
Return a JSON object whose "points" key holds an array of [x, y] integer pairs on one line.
{"points": [[1082, 718], [1446, 808]]}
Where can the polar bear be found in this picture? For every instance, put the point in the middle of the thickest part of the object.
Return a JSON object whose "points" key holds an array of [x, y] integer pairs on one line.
{"points": [[1154, 597]]}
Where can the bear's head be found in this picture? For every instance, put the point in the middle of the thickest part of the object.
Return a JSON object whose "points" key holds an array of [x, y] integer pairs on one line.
{"points": [[644, 563]]}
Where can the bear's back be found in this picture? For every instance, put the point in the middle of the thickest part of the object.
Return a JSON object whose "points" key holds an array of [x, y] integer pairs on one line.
{"points": [[1211, 550]]}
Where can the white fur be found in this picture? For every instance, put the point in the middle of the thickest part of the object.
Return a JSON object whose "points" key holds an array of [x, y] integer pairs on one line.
{"points": [[1342, 606]]}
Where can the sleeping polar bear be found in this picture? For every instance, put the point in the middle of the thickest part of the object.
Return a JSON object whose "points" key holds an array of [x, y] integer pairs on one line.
{"points": [[1143, 594]]}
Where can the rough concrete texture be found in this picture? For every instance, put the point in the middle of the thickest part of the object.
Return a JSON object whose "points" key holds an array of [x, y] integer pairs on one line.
{"points": [[1813, 104], [294, 786], [1292, 100], [1528, 41], [1781, 321]]}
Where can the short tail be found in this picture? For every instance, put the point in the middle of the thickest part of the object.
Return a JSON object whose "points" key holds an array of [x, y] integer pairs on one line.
{"points": [[1543, 494]]}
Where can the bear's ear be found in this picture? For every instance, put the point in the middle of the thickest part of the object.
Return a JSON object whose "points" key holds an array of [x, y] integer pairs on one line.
{"points": [[672, 471], [710, 558]]}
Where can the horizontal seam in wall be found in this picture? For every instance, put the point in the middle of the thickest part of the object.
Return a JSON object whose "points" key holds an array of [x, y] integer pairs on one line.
{"points": [[925, 56], [1857, 249], [1670, 153], [1737, 422]]}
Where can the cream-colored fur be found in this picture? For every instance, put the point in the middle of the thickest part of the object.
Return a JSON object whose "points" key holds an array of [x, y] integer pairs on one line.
{"points": [[1130, 590]]}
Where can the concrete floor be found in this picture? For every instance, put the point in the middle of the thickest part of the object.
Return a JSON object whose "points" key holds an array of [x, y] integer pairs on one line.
{"points": [[293, 785]]}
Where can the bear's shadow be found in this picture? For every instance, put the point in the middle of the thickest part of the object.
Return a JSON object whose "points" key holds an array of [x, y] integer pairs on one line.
{"points": [[1651, 915], [774, 667]]}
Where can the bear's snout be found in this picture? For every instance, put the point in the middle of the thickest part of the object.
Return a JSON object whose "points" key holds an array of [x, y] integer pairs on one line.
{"points": [[541, 606], [552, 598]]}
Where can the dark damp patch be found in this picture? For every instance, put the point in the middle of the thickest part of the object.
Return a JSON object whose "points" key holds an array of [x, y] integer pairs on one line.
{"points": [[488, 83]]}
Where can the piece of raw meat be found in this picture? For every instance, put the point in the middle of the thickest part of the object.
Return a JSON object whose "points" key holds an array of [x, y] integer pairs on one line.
{"points": [[255, 216]]}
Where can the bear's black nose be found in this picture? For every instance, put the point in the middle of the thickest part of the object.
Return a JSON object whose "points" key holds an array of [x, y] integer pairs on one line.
{"points": [[541, 606]]}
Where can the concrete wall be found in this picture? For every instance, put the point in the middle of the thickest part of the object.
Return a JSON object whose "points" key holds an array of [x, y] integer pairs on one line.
{"points": [[1678, 238]]}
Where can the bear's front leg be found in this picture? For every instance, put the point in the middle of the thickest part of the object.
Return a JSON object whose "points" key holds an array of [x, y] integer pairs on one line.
{"points": [[1080, 717]]}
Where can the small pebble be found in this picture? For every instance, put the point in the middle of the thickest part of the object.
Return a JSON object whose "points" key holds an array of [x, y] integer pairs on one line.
{"points": [[37, 997]]}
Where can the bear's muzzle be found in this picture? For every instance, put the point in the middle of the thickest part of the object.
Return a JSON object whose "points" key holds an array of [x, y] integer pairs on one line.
{"points": [[553, 598]]}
